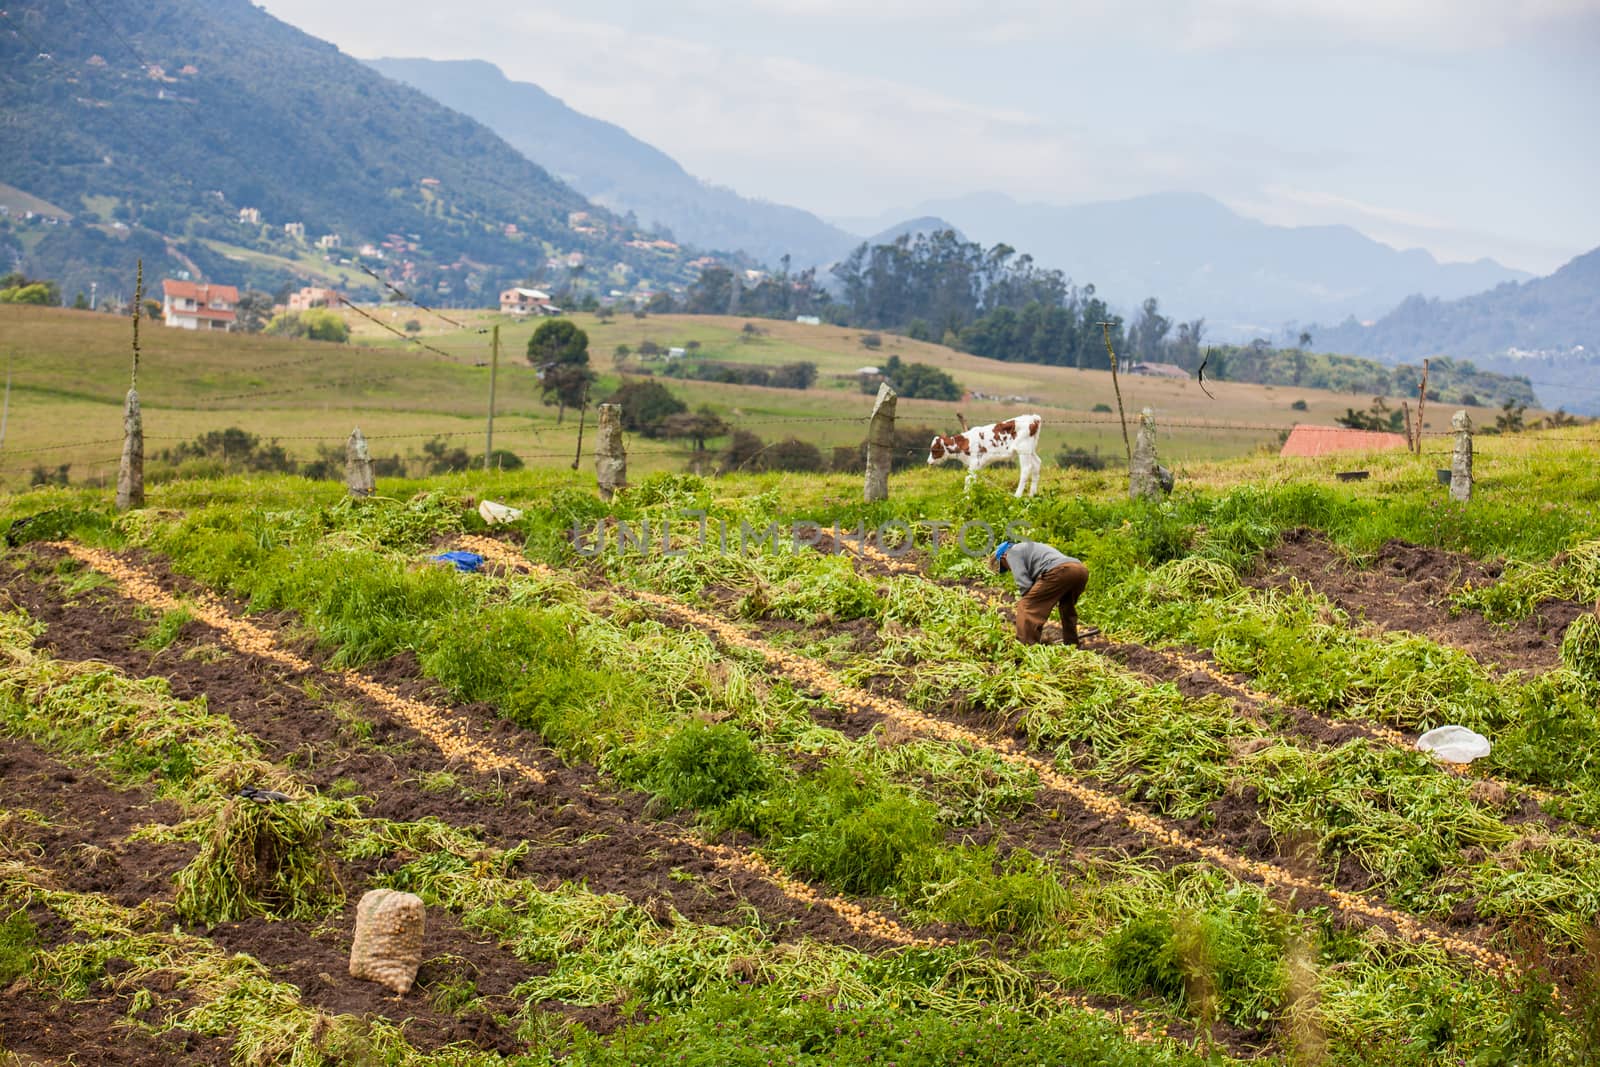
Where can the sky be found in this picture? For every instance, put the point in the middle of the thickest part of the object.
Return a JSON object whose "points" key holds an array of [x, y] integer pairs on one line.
{"points": [[1466, 127]]}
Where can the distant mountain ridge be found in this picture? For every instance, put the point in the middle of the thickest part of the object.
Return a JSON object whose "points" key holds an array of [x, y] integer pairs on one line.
{"points": [[612, 167], [157, 128], [1201, 259], [1547, 328]]}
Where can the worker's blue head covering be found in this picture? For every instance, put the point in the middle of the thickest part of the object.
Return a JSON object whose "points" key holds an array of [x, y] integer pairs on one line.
{"points": [[1000, 550]]}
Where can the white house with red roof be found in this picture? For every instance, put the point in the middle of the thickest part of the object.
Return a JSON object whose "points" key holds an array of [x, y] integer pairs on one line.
{"points": [[198, 305]]}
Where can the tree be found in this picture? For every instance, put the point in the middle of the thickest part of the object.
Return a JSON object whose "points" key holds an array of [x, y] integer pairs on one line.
{"points": [[744, 448], [646, 405], [696, 426], [1148, 337], [17, 288], [919, 381], [1378, 417], [413, 326], [316, 324], [253, 311], [712, 293], [559, 351], [1510, 418]]}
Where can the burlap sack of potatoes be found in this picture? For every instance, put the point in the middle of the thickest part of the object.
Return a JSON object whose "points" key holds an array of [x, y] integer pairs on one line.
{"points": [[388, 943]]}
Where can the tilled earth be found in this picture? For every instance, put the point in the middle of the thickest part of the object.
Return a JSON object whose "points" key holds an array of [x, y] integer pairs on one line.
{"points": [[1408, 588]]}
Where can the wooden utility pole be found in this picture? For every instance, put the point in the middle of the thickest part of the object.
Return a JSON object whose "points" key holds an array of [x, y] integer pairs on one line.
{"points": [[130, 472], [5, 411], [1105, 331], [880, 444], [494, 369], [583, 412]]}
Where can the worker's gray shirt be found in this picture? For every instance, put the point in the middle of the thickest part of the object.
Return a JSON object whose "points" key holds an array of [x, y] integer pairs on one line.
{"points": [[1030, 559]]}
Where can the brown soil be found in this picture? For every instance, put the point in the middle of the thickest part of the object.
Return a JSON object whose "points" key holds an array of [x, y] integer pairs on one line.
{"points": [[625, 852], [87, 848], [1408, 587], [1234, 821], [94, 1030], [89, 823]]}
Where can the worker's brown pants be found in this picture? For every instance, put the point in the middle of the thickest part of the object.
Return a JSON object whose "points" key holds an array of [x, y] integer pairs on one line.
{"points": [[1059, 585]]}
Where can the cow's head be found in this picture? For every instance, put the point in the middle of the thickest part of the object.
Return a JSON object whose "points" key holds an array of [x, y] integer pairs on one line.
{"points": [[936, 452]]}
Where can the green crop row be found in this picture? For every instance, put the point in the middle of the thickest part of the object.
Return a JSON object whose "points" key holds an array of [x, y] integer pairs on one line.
{"points": [[602, 949], [857, 830], [1419, 833]]}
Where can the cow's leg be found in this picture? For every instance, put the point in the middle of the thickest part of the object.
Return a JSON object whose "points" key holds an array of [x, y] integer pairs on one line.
{"points": [[1035, 465], [972, 476], [1022, 474]]}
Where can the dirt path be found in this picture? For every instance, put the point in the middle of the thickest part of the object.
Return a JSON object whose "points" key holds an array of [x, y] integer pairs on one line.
{"points": [[1407, 588]]}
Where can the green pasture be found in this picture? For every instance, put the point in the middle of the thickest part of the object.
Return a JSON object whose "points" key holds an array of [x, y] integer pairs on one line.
{"points": [[70, 371]]}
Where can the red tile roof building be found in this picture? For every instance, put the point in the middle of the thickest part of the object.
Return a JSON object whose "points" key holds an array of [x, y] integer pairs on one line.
{"points": [[1307, 440], [198, 305]]}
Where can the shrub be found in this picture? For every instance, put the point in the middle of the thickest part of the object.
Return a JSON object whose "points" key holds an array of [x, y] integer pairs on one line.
{"points": [[792, 454], [1300, 405], [316, 324], [1082, 459], [1102, 409]]}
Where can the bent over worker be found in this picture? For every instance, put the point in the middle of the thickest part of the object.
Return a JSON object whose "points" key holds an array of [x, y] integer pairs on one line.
{"points": [[1045, 577]]}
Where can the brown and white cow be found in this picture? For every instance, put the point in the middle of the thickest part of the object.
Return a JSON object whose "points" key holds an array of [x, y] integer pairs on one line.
{"points": [[983, 445]]}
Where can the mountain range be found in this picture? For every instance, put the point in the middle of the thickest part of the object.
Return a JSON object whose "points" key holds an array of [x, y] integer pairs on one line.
{"points": [[1203, 260], [1198, 257], [613, 168], [156, 126], [1547, 328]]}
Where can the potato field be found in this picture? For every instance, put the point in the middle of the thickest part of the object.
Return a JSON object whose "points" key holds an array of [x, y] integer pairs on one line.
{"points": [[673, 795]]}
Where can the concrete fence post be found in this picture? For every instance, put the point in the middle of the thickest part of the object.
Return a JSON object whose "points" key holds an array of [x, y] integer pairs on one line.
{"points": [[880, 444], [610, 459], [358, 465], [130, 472], [1461, 459], [1144, 474]]}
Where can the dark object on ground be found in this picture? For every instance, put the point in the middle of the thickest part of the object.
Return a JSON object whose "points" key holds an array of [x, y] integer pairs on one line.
{"points": [[464, 561], [22, 524], [1351, 476], [264, 796], [1443, 474]]}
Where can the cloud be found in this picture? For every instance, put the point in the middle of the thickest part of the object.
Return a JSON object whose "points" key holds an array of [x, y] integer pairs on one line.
{"points": [[1448, 239], [1206, 25]]}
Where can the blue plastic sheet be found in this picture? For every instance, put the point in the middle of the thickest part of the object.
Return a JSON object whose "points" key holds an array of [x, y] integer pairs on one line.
{"points": [[464, 561]]}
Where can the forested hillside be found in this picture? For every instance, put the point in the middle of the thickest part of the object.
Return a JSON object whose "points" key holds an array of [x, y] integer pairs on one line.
{"points": [[614, 168], [156, 125], [1547, 328]]}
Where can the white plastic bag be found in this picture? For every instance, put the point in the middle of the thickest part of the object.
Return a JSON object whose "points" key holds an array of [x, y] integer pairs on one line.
{"points": [[493, 512], [1454, 744]]}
